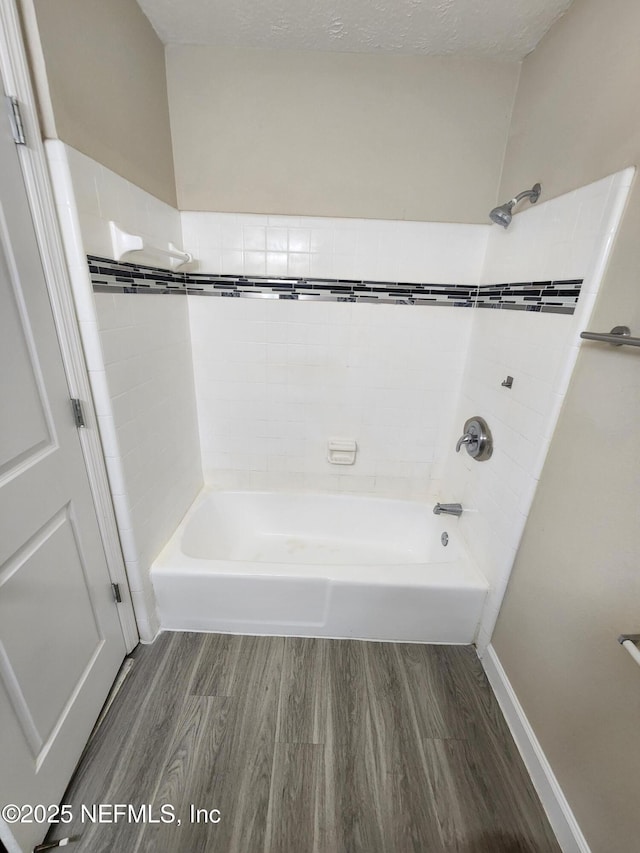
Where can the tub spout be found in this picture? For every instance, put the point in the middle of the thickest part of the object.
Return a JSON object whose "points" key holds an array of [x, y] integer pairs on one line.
{"points": [[447, 509]]}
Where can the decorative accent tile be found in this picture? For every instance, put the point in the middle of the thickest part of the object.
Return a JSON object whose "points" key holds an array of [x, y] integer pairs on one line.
{"points": [[559, 297], [549, 296]]}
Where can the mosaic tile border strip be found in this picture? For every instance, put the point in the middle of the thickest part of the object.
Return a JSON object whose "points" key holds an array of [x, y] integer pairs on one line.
{"points": [[560, 297]]}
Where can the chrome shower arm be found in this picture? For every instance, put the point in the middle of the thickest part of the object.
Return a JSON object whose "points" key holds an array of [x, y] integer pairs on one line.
{"points": [[533, 194]]}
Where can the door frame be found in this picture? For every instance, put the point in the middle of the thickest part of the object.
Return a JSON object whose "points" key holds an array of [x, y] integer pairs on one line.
{"points": [[15, 72]]}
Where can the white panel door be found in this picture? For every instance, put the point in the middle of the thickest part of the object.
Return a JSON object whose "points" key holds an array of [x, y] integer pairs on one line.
{"points": [[60, 638]]}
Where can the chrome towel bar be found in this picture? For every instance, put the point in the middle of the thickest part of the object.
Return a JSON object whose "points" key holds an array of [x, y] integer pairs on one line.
{"points": [[628, 642], [619, 336]]}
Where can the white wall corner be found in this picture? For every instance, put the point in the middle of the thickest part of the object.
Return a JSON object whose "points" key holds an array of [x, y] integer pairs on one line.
{"points": [[558, 810]]}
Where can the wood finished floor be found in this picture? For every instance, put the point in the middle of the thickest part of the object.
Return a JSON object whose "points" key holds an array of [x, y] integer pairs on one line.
{"points": [[308, 746]]}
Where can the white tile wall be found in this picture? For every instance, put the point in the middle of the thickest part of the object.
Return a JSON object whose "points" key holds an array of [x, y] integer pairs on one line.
{"points": [[557, 239], [102, 195], [306, 372], [148, 368], [335, 248], [139, 358], [276, 380], [567, 237]]}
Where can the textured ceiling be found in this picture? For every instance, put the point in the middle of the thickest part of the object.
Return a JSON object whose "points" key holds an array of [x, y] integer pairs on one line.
{"points": [[497, 29]]}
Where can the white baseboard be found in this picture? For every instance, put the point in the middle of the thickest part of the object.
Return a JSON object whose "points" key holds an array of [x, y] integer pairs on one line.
{"points": [[561, 818]]}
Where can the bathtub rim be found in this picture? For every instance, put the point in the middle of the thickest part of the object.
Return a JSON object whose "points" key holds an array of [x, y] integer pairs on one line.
{"points": [[437, 573]]}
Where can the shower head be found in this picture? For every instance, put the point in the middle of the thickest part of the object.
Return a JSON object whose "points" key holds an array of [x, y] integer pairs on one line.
{"points": [[503, 214]]}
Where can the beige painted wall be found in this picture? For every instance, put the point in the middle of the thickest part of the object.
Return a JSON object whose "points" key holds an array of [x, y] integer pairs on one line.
{"points": [[360, 135], [576, 582], [107, 83]]}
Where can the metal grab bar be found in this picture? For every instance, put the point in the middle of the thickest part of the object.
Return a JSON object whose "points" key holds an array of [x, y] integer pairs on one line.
{"points": [[619, 336], [628, 642]]}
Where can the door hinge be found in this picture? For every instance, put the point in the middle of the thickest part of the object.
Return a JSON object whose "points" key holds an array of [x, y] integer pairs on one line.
{"points": [[78, 414], [15, 119], [117, 595]]}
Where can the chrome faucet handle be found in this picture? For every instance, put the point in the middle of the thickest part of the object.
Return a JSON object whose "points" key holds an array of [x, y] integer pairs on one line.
{"points": [[477, 438], [465, 439]]}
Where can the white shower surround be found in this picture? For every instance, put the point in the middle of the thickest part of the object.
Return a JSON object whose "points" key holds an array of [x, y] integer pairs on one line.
{"points": [[375, 249], [275, 380], [566, 237]]}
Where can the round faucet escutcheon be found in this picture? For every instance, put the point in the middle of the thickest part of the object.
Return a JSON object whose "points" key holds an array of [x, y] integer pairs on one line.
{"points": [[477, 439]]}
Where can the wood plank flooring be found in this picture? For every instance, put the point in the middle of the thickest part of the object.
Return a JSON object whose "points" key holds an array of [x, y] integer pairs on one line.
{"points": [[306, 746]]}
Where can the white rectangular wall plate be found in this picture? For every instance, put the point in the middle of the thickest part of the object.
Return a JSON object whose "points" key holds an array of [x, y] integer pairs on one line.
{"points": [[341, 451]]}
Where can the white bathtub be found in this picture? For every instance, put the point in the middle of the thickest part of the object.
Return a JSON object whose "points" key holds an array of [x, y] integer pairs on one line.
{"points": [[318, 565]]}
